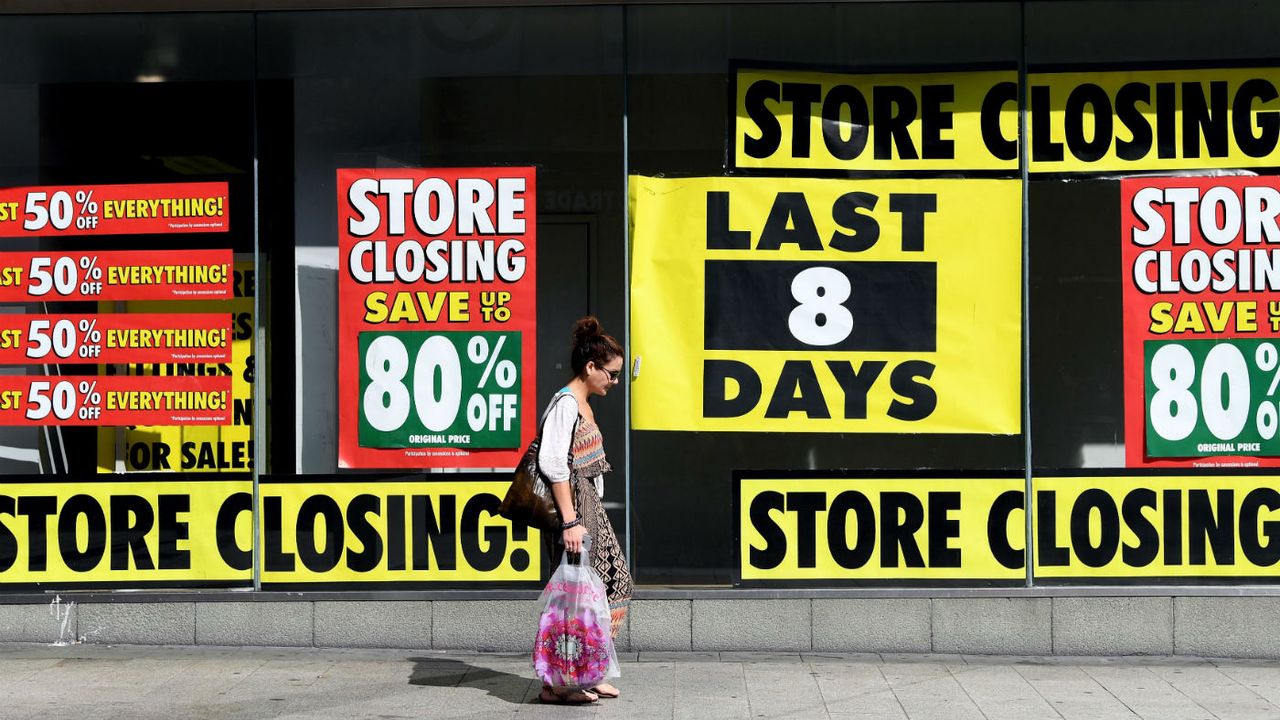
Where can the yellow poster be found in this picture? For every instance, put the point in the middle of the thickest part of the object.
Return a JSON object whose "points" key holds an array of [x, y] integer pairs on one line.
{"points": [[226, 448], [802, 305], [1153, 120], [816, 121], [127, 534], [806, 530], [1157, 526], [414, 532]]}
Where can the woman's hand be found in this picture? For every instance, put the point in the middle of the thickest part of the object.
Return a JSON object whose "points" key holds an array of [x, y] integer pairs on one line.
{"points": [[573, 538]]}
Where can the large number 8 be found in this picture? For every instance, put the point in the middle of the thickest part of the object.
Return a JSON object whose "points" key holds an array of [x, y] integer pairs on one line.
{"points": [[821, 292]]}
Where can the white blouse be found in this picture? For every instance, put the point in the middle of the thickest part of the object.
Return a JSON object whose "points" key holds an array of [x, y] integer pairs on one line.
{"points": [[558, 424]]}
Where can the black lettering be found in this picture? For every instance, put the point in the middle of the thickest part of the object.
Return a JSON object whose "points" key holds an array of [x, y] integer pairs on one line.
{"points": [[1204, 116], [840, 147], [933, 120], [1252, 546], [242, 411], [997, 97], [131, 519], [716, 375], [775, 540], [1109, 536], [856, 384], [1127, 112], [758, 110], [913, 207], [1217, 528], [923, 398], [438, 536], [851, 558], [789, 209], [719, 236], [797, 376], [1148, 547], [802, 96], [238, 558], [998, 530], [495, 536], [806, 506], [361, 529], [1043, 146], [171, 530], [1172, 527], [865, 230], [942, 528], [1095, 99], [38, 508], [1243, 117], [894, 109], [901, 516], [1166, 131], [68, 520], [395, 532], [1051, 553], [8, 542], [317, 557]]}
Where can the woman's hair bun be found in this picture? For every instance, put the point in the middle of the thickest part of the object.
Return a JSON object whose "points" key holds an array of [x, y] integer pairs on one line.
{"points": [[585, 329]]}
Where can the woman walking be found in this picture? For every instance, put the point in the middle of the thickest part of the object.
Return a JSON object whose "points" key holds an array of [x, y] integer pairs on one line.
{"points": [[572, 458]]}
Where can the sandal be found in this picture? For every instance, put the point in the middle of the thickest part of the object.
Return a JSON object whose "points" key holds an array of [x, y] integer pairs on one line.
{"points": [[606, 691], [568, 697]]}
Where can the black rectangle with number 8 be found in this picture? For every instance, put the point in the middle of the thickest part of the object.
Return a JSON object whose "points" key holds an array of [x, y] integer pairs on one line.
{"points": [[791, 305]]}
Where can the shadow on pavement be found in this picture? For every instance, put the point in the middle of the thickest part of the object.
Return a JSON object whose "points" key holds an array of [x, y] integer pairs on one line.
{"points": [[447, 672]]}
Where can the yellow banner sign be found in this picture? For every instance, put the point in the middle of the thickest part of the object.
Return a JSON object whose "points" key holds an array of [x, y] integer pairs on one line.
{"points": [[807, 305], [1157, 527], [1095, 121], [126, 534], [1154, 120], [790, 120], [409, 532], [853, 530]]}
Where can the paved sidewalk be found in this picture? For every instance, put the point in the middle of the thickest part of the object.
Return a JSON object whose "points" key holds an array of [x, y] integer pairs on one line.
{"points": [[174, 683]]}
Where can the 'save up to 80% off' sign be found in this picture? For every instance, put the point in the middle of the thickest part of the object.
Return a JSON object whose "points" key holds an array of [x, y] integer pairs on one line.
{"points": [[1212, 397], [440, 389]]}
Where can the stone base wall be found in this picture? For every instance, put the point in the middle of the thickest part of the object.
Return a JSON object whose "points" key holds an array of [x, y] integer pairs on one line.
{"points": [[1216, 626]]}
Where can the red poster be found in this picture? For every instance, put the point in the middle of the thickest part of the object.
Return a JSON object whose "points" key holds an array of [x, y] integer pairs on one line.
{"points": [[113, 209], [116, 275], [437, 314], [115, 338], [1201, 275], [115, 400]]}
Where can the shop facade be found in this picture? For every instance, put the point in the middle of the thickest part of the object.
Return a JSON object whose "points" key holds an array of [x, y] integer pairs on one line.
{"points": [[950, 326]]}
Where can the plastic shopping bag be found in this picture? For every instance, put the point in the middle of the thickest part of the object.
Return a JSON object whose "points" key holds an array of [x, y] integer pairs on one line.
{"points": [[574, 646]]}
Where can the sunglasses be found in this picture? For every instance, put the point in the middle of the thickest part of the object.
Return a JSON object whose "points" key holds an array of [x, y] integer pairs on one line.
{"points": [[614, 375]]}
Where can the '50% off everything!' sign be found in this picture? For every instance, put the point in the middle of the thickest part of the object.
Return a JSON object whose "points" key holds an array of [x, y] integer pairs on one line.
{"points": [[436, 316]]}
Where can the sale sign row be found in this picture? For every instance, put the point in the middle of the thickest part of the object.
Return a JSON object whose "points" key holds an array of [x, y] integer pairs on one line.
{"points": [[113, 209]]}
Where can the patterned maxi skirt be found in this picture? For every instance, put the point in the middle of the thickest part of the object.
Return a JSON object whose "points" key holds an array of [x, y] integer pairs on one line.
{"points": [[606, 554]]}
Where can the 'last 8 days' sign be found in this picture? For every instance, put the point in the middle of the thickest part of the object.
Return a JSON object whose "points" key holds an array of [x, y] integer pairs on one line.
{"points": [[826, 305]]}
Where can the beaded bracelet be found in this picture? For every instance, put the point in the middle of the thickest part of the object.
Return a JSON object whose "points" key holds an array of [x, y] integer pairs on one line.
{"points": [[572, 523]]}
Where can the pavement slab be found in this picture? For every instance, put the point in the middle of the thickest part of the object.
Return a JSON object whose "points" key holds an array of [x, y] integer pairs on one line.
{"points": [[106, 682]]}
